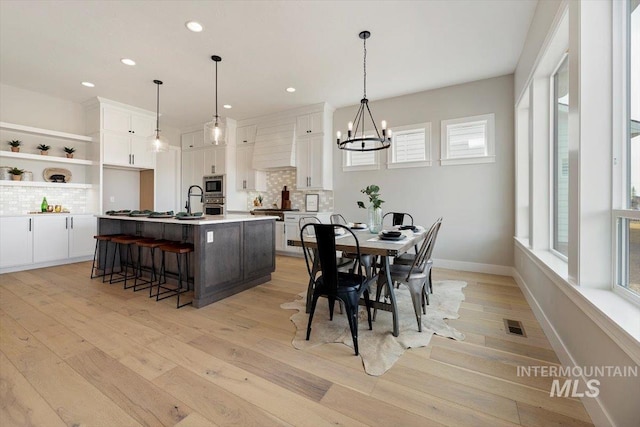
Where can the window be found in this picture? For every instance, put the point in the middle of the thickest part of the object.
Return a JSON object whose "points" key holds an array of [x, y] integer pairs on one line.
{"points": [[627, 218], [410, 147], [560, 150], [468, 140], [361, 160]]}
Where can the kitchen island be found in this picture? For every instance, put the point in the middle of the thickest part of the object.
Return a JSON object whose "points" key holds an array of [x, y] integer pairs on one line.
{"points": [[231, 252]]}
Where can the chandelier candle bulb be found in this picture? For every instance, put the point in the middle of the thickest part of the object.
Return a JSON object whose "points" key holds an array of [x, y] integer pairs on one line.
{"points": [[384, 125]]}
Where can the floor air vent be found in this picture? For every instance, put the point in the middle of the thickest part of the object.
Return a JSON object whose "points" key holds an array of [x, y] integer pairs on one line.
{"points": [[514, 327]]}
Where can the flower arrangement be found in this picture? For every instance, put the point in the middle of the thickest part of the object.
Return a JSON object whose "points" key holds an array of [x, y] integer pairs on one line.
{"points": [[374, 197]]}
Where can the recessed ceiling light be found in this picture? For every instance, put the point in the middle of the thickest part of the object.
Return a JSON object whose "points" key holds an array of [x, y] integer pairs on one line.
{"points": [[127, 61], [194, 26], [227, 106], [291, 89], [88, 84]]}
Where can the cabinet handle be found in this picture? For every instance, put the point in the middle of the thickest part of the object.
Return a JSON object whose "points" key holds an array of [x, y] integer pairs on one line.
{"points": [[29, 224], [66, 222], [213, 169], [71, 222], [133, 159]]}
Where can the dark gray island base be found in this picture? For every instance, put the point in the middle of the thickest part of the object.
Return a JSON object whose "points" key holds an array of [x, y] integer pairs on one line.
{"points": [[231, 252]]}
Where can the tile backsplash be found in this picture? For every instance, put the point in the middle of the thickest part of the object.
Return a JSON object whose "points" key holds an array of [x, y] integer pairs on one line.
{"points": [[15, 200], [276, 180]]}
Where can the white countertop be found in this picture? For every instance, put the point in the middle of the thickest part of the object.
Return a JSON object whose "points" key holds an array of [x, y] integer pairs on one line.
{"points": [[206, 219]]}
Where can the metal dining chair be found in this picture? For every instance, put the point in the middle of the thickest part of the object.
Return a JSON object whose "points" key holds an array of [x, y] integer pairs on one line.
{"points": [[415, 276], [347, 287], [398, 218], [367, 261]]}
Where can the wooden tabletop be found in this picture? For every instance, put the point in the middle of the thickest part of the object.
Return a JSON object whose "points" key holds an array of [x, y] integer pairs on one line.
{"points": [[377, 247]]}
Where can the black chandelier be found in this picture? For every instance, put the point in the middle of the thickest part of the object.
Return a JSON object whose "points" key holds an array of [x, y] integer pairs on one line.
{"points": [[357, 140]]}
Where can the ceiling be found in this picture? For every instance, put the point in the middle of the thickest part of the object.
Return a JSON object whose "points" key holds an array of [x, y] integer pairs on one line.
{"points": [[266, 46]]}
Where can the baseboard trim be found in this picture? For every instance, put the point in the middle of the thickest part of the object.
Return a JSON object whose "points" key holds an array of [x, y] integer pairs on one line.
{"points": [[594, 407], [475, 267], [46, 264]]}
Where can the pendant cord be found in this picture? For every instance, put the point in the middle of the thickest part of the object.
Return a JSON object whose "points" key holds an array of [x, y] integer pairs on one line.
{"points": [[216, 92], [365, 67], [158, 110]]}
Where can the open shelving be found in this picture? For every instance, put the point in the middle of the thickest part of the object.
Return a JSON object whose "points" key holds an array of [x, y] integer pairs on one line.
{"points": [[11, 183], [45, 132], [49, 159]]}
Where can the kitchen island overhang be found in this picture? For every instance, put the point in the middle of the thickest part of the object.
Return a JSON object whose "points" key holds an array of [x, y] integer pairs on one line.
{"points": [[232, 253]]}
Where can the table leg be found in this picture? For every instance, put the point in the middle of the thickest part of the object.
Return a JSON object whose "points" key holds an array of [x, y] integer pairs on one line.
{"points": [[392, 296]]}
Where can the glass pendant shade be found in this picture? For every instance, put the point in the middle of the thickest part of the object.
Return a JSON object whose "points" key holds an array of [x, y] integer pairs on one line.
{"points": [[156, 142], [215, 129]]}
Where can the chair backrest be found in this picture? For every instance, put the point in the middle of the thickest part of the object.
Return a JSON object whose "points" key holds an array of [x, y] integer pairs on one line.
{"points": [[325, 236], [338, 219], [426, 249], [397, 218], [310, 231]]}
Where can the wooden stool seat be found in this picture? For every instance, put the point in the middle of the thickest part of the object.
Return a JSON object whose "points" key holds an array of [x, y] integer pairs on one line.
{"points": [[177, 248], [127, 240], [151, 243]]}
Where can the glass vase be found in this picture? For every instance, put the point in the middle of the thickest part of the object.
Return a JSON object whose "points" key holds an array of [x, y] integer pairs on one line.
{"points": [[375, 219]]}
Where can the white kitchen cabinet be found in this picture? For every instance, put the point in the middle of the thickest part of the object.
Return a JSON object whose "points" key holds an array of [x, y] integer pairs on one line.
{"points": [[214, 158], [16, 245], [291, 230], [309, 123], [191, 140], [281, 242], [82, 228], [248, 178], [129, 151], [50, 238], [124, 121], [313, 171], [246, 134]]}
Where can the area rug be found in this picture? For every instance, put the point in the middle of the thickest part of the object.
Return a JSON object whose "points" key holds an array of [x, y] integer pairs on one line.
{"points": [[379, 349]]}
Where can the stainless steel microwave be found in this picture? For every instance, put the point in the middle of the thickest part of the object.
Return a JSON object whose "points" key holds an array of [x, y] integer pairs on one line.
{"points": [[213, 185]]}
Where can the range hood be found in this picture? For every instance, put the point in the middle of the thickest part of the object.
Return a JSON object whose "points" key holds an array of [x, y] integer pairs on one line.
{"points": [[275, 147]]}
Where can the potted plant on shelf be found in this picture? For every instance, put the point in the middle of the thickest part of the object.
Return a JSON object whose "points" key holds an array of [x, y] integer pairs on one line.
{"points": [[15, 145], [44, 149], [17, 173], [69, 151], [375, 208]]}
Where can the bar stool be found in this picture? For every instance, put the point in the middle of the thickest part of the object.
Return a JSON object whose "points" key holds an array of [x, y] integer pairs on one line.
{"points": [[106, 238], [151, 244], [178, 249], [127, 241]]}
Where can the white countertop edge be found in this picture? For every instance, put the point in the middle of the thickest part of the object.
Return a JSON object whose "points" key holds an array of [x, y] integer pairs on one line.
{"points": [[209, 219], [45, 214]]}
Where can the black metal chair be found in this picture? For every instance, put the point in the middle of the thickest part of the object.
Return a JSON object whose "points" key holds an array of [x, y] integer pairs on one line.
{"points": [[347, 287], [367, 261], [397, 218]]}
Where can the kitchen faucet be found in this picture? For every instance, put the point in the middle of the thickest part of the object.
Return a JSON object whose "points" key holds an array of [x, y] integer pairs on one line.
{"points": [[189, 195]]}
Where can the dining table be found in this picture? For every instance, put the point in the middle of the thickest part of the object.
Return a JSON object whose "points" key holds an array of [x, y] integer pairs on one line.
{"points": [[372, 244]]}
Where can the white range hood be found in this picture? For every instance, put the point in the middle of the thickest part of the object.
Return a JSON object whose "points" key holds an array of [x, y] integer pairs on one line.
{"points": [[275, 147]]}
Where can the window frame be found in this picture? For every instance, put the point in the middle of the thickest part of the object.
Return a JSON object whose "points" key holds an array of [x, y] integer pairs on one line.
{"points": [[621, 149], [552, 155], [490, 157], [426, 127], [346, 155]]}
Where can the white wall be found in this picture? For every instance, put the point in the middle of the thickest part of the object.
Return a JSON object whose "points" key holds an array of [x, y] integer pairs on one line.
{"points": [[476, 201], [123, 186], [35, 109]]}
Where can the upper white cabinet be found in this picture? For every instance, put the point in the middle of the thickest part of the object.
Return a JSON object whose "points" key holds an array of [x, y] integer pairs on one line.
{"points": [[214, 160], [192, 139], [123, 133], [246, 134], [124, 121], [309, 123], [312, 171], [247, 178]]}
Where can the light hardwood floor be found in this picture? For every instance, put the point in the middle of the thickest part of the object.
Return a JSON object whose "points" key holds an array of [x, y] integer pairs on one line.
{"points": [[78, 352]]}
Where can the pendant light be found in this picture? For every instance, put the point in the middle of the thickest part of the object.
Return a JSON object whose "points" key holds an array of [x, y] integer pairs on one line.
{"points": [[215, 129], [158, 143], [357, 140]]}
